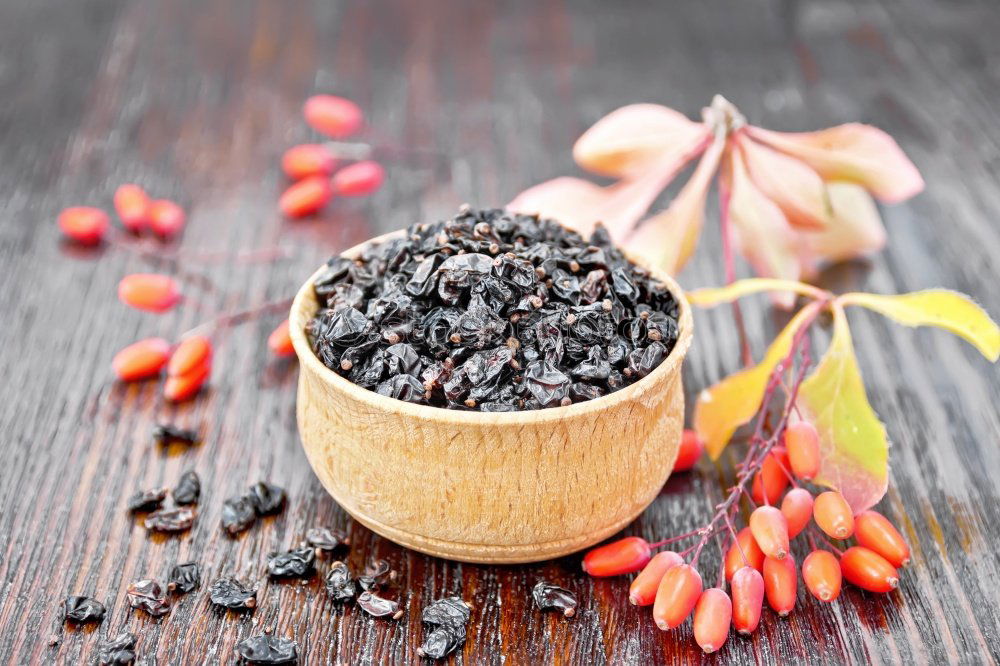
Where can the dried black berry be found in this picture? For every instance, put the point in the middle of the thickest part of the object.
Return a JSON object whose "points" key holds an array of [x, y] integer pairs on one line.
{"points": [[323, 538], [147, 500], [442, 641], [267, 498], [117, 651], [448, 618], [376, 574], [184, 578], [238, 514], [233, 594], [170, 520], [339, 583], [378, 607], [164, 433], [266, 649], [492, 311], [296, 563], [552, 597], [147, 595], [450, 611], [83, 609], [188, 489]]}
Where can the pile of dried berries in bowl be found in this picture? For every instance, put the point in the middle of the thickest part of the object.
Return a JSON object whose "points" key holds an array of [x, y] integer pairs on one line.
{"points": [[492, 311]]}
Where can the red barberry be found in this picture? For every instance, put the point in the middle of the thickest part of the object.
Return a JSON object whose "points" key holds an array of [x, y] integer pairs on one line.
{"points": [[875, 532], [797, 508], [770, 481], [84, 224], [624, 556], [166, 218], [689, 451], [743, 552], [802, 445], [280, 342], [333, 116], [712, 616], [868, 570], [308, 159], [676, 596], [192, 352], [132, 205], [359, 179], [821, 574], [780, 584], [149, 291], [141, 359], [305, 197], [770, 531], [181, 387], [833, 514], [642, 592], [748, 599]]}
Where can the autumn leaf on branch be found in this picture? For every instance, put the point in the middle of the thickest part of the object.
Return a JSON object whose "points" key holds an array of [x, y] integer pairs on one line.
{"points": [[795, 200]]}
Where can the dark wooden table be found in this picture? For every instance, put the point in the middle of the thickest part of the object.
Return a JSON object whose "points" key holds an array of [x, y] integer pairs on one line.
{"points": [[196, 99]]}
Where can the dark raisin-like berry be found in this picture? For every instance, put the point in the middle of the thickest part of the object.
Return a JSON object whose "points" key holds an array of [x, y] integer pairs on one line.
{"points": [[448, 618], [378, 607], [339, 583], [376, 574], [146, 500], [188, 489], [184, 578], [164, 433], [83, 609], [238, 514], [267, 498], [117, 651], [553, 597], [170, 520], [147, 595], [266, 649], [296, 563], [233, 594], [323, 538], [442, 641]]}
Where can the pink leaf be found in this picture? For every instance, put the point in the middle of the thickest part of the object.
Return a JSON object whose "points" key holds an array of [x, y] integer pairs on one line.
{"points": [[630, 140], [853, 152], [796, 189], [856, 228]]}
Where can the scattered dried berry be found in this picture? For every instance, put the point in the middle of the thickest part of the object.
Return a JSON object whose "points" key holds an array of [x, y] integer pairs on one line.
{"points": [[552, 597], [132, 205], [141, 360], [147, 595], [492, 311], [334, 116], [339, 583], [151, 292], [378, 607], [266, 649], [448, 618], [238, 514], [308, 159], [147, 500], [233, 594], [117, 651], [188, 489], [267, 498], [359, 179], [305, 197], [83, 609], [166, 218], [84, 224], [164, 433], [376, 574], [297, 563], [170, 520], [184, 578], [323, 538], [280, 342], [191, 353]]}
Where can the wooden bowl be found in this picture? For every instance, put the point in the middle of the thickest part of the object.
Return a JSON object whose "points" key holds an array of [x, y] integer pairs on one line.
{"points": [[490, 487]]}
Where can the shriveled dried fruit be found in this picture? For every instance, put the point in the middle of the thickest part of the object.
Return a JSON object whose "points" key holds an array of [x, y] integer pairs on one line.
{"points": [[141, 360], [84, 224], [323, 538], [165, 433], [166, 218], [117, 651], [233, 594], [83, 609], [305, 197], [553, 597], [191, 353], [359, 179], [821, 574], [238, 514], [280, 341], [147, 595], [868, 570], [267, 649], [642, 592], [619, 557], [833, 514], [339, 582], [296, 563], [712, 616], [376, 574], [184, 578], [334, 116], [378, 607], [188, 489], [875, 532], [448, 618], [151, 292], [308, 159], [147, 500], [170, 520], [132, 205], [267, 498], [677, 595]]}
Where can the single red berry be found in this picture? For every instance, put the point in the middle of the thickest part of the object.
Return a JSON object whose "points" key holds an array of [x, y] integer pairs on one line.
{"points": [[624, 556], [748, 599], [770, 481], [141, 359], [359, 179], [84, 224], [770, 531], [833, 514], [797, 508], [189, 354], [780, 584], [132, 205], [149, 291], [689, 451], [821, 573], [875, 532], [333, 116], [166, 218], [182, 387], [802, 444], [305, 197], [868, 570], [280, 342], [642, 592], [712, 616], [744, 552], [308, 159], [676, 596]]}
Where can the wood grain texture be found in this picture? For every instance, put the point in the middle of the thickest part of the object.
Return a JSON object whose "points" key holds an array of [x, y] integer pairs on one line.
{"points": [[467, 102]]}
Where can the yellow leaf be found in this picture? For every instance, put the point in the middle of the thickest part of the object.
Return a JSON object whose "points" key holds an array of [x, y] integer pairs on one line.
{"points": [[943, 308], [710, 296], [724, 407], [854, 451]]}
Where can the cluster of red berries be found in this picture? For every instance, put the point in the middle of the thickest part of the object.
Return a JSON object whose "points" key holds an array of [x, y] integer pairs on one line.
{"points": [[759, 562], [313, 166], [136, 210]]}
